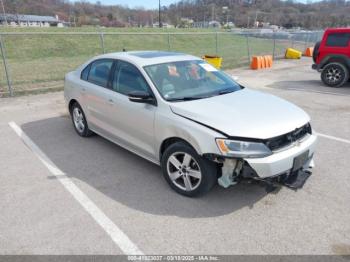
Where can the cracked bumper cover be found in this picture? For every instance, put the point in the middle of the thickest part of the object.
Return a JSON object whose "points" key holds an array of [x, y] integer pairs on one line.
{"points": [[282, 161]]}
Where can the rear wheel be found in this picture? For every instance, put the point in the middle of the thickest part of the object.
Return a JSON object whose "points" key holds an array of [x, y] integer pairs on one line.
{"points": [[79, 121], [188, 173], [335, 75]]}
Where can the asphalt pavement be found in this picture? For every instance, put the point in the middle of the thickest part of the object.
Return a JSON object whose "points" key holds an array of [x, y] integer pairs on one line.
{"points": [[89, 196]]}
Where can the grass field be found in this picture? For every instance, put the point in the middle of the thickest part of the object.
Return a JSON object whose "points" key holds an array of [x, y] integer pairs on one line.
{"points": [[39, 61]]}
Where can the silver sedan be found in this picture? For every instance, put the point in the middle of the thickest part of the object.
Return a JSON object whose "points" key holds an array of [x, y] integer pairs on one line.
{"points": [[193, 120]]}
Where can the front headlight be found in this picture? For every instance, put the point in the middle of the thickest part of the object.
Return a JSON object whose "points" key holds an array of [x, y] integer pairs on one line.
{"points": [[242, 149]]}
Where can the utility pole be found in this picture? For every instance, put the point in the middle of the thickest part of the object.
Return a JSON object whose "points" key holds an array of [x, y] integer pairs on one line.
{"points": [[225, 12], [160, 19], [256, 18], [212, 12], [3, 11]]}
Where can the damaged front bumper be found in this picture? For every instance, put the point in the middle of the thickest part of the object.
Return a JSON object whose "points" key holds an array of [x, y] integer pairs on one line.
{"points": [[290, 167], [284, 160]]}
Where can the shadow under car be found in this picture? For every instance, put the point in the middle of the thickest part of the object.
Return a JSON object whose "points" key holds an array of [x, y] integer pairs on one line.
{"points": [[127, 178]]}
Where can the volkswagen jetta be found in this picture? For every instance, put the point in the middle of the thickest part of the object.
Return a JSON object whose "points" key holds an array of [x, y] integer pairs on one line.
{"points": [[195, 121]]}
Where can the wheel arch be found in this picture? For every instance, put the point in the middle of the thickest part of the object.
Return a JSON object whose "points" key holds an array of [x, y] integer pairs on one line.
{"points": [[170, 141], [71, 103], [336, 59], [171, 130]]}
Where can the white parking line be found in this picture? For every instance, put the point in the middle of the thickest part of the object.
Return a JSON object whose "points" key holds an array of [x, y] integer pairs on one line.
{"points": [[334, 138], [117, 235]]}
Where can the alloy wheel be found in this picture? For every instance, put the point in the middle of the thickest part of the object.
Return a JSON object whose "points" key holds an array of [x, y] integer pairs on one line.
{"points": [[184, 171], [78, 119], [333, 75]]}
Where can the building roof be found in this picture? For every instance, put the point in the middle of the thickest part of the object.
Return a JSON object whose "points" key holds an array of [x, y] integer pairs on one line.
{"points": [[28, 18]]}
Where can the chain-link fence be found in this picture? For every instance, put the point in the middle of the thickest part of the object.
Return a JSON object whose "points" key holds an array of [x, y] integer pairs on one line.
{"points": [[37, 62]]}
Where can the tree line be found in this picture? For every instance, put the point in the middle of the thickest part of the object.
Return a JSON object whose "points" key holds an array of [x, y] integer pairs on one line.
{"points": [[243, 13]]}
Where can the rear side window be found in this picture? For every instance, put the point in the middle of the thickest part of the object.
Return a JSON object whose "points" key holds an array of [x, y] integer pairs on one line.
{"points": [[85, 73], [338, 39], [99, 72]]}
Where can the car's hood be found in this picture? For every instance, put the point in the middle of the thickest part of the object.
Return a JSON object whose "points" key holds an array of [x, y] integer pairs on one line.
{"points": [[245, 113]]}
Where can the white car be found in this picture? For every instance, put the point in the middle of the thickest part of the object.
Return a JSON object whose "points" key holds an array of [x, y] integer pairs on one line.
{"points": [[193, 120]]}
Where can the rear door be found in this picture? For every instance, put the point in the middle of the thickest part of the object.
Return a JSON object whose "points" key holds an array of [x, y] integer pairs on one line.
{"points": [[96, 93]]}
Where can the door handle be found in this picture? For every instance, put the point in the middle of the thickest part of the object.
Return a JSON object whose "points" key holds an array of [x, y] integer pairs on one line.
{"points": [[110, 101], [83, 89]]}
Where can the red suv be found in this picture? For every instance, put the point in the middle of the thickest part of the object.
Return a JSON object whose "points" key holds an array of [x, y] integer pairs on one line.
{"points": [[332, 57]]}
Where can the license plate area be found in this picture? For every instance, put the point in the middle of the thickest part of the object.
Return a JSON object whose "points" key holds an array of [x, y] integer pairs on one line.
{"points": [[300, 160]]}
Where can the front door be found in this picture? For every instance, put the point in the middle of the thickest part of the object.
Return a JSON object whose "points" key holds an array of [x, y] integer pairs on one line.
{"points": [[132, 123]]}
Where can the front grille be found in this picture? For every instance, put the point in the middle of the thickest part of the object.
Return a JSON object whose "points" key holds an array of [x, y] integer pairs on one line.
{"points": [[279, 142]]}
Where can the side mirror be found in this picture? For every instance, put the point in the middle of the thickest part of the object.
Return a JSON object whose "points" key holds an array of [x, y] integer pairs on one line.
{"points": [[141, 97]]}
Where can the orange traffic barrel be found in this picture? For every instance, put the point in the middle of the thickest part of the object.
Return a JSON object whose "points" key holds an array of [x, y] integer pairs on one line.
{"points": [[263, 62], [268, 60], [309, 51], [256, 63]]}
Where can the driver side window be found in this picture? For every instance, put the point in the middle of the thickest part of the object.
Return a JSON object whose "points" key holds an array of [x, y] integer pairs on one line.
{"points": [[128, 78]]}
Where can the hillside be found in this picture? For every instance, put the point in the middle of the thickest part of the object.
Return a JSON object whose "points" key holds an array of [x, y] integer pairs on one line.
{"points": [[242, 12]]}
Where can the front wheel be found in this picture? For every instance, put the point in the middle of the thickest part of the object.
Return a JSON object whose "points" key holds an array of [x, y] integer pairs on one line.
{"points": [[188, 173], [335, 75]]}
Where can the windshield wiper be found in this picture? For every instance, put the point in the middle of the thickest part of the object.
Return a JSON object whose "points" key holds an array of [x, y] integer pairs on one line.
{"points": [[187, 98], [226, 91]]}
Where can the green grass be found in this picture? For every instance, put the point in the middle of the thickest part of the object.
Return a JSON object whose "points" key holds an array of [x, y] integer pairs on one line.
{"points": [[41, 61]]}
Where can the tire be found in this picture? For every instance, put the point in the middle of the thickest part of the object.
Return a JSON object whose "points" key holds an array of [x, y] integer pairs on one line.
{"points": [[335, 75], [186, 172], [316, 49], [79, 121]]}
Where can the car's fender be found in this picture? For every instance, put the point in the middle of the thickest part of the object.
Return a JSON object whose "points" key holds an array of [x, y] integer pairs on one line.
{"points": [[171, 126], [332, 58], [71, 89]]}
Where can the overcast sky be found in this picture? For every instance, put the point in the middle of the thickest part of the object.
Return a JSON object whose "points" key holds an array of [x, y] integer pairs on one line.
{"points": [[150, 4]]}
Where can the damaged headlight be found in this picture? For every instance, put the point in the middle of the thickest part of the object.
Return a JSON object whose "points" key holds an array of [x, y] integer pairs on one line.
{"points": [[242, 149]]}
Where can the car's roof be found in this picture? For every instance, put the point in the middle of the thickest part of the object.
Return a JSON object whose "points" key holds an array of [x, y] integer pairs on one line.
{"points": [[143, 58], [339, 29]]}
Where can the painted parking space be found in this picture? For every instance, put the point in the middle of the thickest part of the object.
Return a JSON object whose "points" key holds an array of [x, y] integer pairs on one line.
{"points": [[132, 194]]}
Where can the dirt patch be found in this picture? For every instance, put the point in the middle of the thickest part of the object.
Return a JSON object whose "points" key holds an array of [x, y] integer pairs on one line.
{"points": [[341, 249]]}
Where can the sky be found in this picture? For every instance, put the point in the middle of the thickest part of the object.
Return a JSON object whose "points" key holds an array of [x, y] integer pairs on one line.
{"points": [[150, 4]]}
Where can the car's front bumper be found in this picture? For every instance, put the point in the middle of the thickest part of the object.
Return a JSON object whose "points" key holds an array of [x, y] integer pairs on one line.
{"points": [[282, 162]]}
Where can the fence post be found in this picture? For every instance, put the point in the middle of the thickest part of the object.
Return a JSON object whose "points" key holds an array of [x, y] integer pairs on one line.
{"points": [[2, 48], [102, 39], [274, 46], [307, 40], [248, 48], [216, 44], [169, 42]]}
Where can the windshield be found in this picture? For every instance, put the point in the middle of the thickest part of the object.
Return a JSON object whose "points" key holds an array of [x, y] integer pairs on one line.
{"points": [[189, 80]]}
